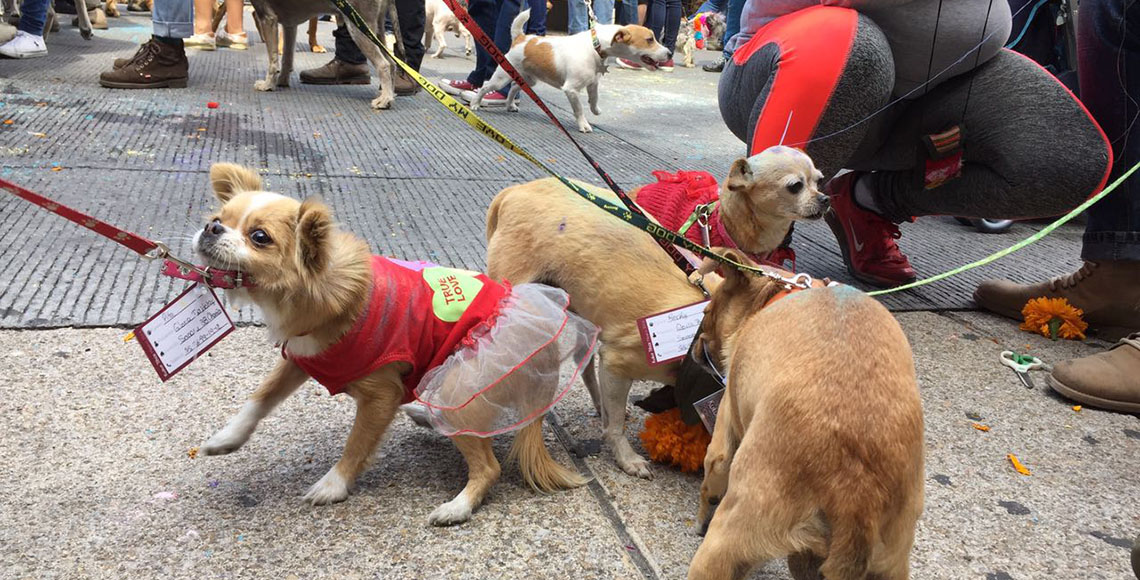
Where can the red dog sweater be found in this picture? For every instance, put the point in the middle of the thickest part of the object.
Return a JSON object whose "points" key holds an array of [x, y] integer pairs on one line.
{"points": [[418, 313]]}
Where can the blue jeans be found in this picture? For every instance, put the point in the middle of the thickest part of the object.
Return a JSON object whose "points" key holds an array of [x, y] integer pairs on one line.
{"points": [[537, 23], [627, 13], [1113, 230], [732, 22], [665, 21], [494, 17], [580, 17], [173, 18], [33, 15], [711, 6]]}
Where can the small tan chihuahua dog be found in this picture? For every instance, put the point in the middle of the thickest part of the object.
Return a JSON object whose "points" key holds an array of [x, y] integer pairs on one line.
{"points": [[817, 452]]}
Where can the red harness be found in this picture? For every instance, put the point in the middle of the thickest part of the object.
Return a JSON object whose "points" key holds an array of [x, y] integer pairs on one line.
{"points": [[418, 313], [676, 196]]}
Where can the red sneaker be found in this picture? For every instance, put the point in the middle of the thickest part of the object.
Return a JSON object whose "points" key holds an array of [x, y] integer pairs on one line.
{"points": [[867, 240], [666, 66], [491, 99], [629, 64], [456, 88]]}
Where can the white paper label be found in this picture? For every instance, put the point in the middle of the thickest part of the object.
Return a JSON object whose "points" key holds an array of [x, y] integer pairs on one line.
{"points": [[183, 330], [667, 335]]}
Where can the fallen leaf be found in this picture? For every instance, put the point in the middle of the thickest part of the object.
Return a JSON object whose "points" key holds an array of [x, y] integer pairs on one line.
{"points": [[981, 427], [1017, 465], [8, 121], [193, 453], [40, 135]]}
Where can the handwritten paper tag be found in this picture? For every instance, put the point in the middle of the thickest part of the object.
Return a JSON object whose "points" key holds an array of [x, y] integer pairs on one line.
{"points": [[183, 330], [708, 407], [667, 335]]}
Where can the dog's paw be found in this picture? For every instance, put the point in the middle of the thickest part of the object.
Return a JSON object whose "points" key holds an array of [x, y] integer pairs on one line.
{"points": [[438, 55], [382, 102], [331, 488], [318, 49], [263, 86], [224, 442], [584, 127], [513, 108], [594, 110], [636, 466], [453, 512]]}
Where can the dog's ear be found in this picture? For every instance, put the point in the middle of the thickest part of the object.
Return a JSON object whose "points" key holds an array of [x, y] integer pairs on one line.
{"points": [[733, 276], [622, 36], [230, 179], [314, 228], [739, 176]]}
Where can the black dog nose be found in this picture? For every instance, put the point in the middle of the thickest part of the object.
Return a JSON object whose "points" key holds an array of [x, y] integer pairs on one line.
{"points": [[823, 200], [215, 228]]}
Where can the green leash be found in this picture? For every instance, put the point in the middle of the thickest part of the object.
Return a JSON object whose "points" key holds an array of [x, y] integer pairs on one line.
{"points": [[1027, 241]]}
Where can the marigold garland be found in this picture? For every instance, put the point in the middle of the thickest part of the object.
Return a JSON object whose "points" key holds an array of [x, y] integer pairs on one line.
{"points": [[1054, 318], [670, 441]]}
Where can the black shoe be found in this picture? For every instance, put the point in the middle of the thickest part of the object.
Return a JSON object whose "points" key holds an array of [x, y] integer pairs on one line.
{"points": [[716, 66]]}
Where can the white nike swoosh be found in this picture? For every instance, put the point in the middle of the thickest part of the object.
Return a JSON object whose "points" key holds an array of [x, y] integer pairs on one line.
{"points": [[858, 244]]}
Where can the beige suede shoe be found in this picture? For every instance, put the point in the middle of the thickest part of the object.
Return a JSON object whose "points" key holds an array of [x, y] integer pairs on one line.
{"points": [[1108, 380], [1108, 293]]}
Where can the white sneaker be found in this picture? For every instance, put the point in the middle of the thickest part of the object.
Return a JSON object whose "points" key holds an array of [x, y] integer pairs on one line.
{"points": [[236, 41], [202, 41], [24, 45]]}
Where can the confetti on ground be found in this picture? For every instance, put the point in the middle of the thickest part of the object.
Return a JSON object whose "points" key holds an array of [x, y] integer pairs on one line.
{"points": [[981, 427], [193, 453], [1077, 408], [212, 105], [8, 121], [166, 495], [1017, 465], [201, 129], [40, 135], [57, 168]]}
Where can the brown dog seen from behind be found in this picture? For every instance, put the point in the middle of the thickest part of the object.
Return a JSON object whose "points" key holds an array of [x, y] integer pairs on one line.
{"points": [[817, 453]]}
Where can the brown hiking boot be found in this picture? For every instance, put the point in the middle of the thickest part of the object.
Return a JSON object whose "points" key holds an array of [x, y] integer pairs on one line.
{"points": [[156, 65], [337, 72], [1108, 380], [1108, 293], [122, 62], [405, 85]]}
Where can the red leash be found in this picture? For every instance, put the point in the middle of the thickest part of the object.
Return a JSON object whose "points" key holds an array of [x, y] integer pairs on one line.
{"points": [[501, 60], [150, 250]]}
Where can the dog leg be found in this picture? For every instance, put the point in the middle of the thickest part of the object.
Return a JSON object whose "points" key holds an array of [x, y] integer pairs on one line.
{"points": [[267, 27], [590, 377], [615, 395], [277, 387], [111, 8], [380, 63], [377, 399], [466, 41], [482, 472], [313, 44], [441, 40], [287, 56], [728, 551], [805, 566], [513, 98], [576, 105], [592, 93]]}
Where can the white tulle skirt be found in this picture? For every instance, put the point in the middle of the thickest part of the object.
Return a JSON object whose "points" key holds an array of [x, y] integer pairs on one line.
{"points": [[513, 371]]}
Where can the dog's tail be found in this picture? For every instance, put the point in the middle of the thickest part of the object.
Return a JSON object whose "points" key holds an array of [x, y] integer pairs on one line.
{"points": [[493, 215], [538, 468], [519, 23], [852, 539]]}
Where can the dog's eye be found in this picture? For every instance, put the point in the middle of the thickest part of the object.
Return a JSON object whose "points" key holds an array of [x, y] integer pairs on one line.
{"points": [[260, 238], [795, 187], [714, 501]]}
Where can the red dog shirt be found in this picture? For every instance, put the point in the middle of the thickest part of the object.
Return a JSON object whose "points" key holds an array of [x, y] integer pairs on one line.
{"points": [[418, 313]]}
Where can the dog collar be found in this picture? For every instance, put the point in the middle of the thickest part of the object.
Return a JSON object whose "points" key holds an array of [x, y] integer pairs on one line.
{"points": [[597, 42], [225, 279]]}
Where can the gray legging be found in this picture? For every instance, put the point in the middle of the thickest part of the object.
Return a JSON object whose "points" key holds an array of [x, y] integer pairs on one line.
{"points": [[1029, 147]]}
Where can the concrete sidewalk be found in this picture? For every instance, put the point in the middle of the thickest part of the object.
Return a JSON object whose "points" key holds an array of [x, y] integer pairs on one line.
{"points": [[96, 448], [101, 485]]}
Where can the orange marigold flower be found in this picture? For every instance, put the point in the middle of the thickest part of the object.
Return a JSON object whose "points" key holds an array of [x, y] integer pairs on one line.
{"points": [[670, 441], [1054, 318]]}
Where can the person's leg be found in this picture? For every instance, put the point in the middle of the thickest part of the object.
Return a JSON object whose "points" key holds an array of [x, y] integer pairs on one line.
{"points": [[627, 13], [411, 16], [577, 17], [506, 12], [655, 18], [203, 17], [537, 23], [345, 49], [604, 11], [161, 62], [485, 13], [731, 23], [642, 11], [33, 16], [1107, 287], [711, 6], [672, 25], [234, 16]]}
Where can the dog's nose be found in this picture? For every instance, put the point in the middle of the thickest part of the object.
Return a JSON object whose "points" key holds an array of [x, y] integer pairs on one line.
{"points": [[824, 201], [215, 228]]}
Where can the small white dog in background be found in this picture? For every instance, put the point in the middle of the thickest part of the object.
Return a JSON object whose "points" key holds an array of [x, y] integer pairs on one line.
{"points": [[438, 20], [571, 63]]}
